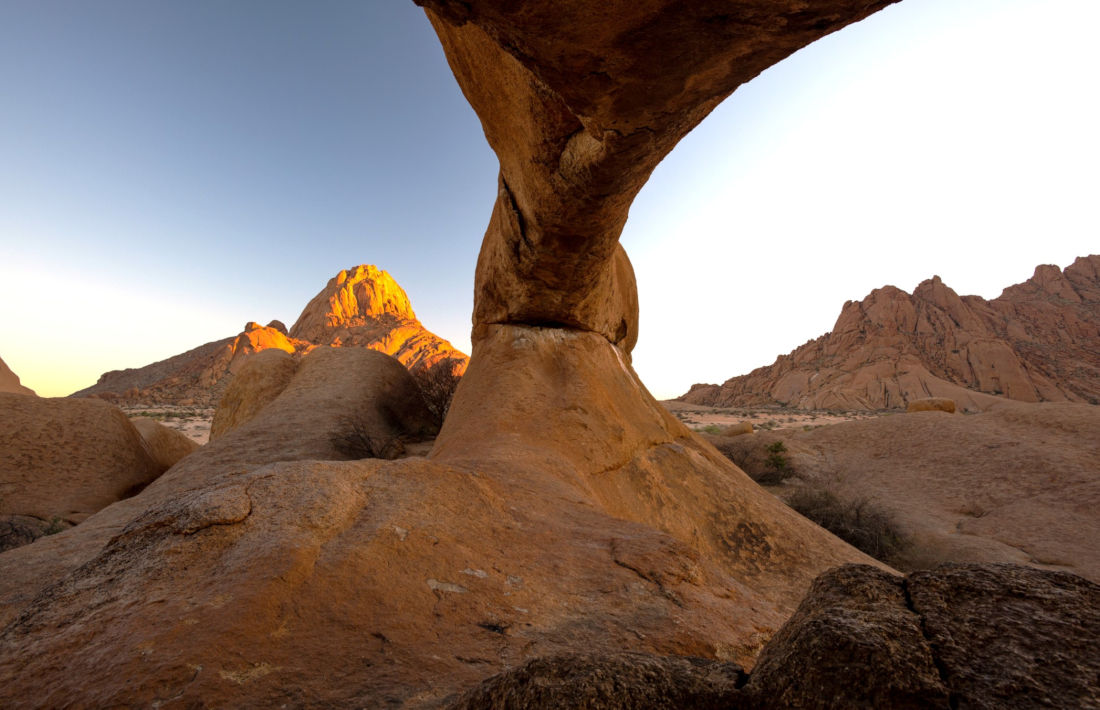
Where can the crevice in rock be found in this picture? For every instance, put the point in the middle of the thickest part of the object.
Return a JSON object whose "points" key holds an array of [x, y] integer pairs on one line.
{"points": [[952, 696]]}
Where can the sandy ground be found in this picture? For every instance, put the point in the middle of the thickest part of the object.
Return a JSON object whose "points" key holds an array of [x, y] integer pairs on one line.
{"points": [[192, 421], [699, 417], [195, 421]]}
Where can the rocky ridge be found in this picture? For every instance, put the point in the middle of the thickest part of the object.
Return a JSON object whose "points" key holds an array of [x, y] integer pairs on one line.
{"points": [[360, 307], [9, 381], [1039, 341]]}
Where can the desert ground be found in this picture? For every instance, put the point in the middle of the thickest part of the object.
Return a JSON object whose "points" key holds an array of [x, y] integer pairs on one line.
{"points": [[194, 422], [700, 417]]}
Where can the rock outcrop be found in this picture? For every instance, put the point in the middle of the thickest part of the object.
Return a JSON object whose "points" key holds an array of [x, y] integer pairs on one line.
{"points": [[360, 307], [1038, 342], [976, 636], [9, 381], [364, 307]]}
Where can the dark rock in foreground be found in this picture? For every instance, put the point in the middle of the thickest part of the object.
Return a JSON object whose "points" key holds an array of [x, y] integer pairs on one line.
{"points": [[961, 636]]}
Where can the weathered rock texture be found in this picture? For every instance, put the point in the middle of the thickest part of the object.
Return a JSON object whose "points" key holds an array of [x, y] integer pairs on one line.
{"points": [[1038, 342], [974, 636], [1018, 483], [360, 307], [9, 381], [967, 636], [625, 681], [67, 458]]}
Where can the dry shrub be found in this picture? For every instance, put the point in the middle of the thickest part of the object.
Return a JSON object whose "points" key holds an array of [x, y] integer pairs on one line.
{"points": [[356, 438], [859, 522], [437, 386]]}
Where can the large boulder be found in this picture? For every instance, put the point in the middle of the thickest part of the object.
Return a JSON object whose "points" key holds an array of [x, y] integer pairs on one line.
{"points": [[931, 404], [259, 381], [634, 539], [166, 446], [974, 636], [68, 458]]}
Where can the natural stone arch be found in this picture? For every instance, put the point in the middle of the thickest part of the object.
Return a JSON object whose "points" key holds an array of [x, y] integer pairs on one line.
{"points": [[580, 101]]}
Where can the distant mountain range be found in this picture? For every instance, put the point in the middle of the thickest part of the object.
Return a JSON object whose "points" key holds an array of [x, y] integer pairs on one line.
{"points": [[359, 307], [1039, 341]]}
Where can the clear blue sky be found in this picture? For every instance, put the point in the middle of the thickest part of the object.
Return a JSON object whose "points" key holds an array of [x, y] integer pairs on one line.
{"points": [[171, 170]]}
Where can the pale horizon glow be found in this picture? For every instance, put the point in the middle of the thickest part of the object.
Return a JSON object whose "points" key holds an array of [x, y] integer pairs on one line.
{"points": [[156, 197]]}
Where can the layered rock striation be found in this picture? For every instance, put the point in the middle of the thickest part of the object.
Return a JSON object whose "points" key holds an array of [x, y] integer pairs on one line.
{"points": [[359, 307], [1039, 341]]}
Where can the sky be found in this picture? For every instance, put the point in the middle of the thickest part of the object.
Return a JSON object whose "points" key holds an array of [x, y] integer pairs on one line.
{"points": [[172, 170]]}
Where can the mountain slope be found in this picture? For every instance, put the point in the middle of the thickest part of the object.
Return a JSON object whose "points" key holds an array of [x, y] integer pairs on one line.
{"points": [[9, 381], [1039, 341], [360, 307]]}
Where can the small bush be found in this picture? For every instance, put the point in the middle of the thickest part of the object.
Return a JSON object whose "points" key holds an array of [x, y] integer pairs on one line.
{"points": [[54, 527], [859, 522], [437, 386], [711, 429], [355, 439]]}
